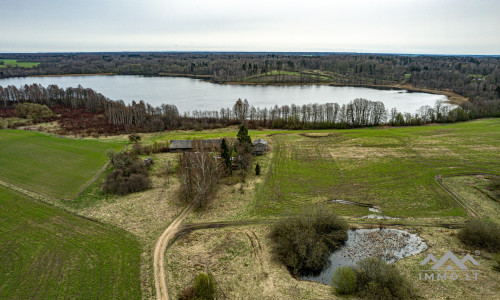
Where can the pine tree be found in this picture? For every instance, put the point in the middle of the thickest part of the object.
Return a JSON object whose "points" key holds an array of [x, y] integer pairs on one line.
{"points": [[257, 169], [225, 153], [243, 136]]}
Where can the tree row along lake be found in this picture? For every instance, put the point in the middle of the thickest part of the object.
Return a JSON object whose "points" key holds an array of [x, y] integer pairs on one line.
{"points": [[194, 94]]}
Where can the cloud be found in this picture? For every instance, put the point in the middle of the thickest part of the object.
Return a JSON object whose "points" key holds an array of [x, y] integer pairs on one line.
{"points": [[446, 26]]}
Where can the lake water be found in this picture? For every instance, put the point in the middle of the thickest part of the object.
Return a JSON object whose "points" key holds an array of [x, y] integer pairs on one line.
{"points": [[190, 94]]}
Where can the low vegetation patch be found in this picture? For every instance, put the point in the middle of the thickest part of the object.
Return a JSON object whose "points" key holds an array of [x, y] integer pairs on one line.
{"points": [[202, 289], [344, 281], [304, 242], [130, 175], [377, 279], [481, 233]]}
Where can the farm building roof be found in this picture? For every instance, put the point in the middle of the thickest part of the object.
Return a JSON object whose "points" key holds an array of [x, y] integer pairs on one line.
{"points": [[260, 141], [189, 144]]}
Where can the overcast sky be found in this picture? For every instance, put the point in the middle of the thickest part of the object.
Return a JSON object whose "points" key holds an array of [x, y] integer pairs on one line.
{"points": [[385, 26]]}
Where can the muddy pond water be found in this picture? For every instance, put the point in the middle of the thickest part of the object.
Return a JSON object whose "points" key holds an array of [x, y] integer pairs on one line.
{"points": [[387, 244]]}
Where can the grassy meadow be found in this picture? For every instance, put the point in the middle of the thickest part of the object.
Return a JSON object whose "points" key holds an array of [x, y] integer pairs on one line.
{"points": [[47, 253], [15, 63], [52, 166], [392, 168]]}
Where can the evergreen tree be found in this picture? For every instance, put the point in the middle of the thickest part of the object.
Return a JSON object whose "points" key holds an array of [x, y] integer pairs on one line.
{"points": [[257, 169], [225, 153], [243, 136]]}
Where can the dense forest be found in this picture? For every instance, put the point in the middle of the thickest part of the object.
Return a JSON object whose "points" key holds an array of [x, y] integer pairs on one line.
{"points": [[474, 77]]}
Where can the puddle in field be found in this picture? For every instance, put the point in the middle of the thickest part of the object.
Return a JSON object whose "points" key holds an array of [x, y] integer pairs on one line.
{"points": [[379, 217], [388, 244]]}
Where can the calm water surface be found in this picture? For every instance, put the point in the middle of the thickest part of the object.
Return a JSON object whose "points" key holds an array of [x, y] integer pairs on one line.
{"points": [[190, 94]]}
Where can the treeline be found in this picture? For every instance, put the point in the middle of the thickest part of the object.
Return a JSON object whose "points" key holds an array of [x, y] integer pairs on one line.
{"points": [[474, 77], [91, 112]]}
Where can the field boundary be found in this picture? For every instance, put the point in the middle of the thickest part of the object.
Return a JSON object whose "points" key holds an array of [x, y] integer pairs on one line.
{"points": [[90, 181], [24, 191]]}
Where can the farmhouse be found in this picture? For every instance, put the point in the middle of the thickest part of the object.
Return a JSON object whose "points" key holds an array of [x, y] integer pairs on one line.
{"points": [[259, 147], [189, 145]]}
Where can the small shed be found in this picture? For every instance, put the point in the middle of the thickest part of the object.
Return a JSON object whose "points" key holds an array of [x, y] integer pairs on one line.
{"points": [[259, 147]]}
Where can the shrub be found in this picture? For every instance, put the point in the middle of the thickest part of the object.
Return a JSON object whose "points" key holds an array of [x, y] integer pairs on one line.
{"points": [[34, 111], [378, 280], [129, 175], [344, 280], [304, 242], [187, 294], [497, 260], [481, 233], [134, 138], [203, 287]]}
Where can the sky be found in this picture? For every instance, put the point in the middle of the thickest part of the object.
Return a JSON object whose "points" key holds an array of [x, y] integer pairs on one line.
{"points": [[367, 26]]}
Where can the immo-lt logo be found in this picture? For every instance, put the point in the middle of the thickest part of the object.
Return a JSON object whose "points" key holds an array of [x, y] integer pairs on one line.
{"points": [[449, 267]]}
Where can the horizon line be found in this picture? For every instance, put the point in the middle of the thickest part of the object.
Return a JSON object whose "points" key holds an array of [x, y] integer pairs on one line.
{"points": [[254, 52]]}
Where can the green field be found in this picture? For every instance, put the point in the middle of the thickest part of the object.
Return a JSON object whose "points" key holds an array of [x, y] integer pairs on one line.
{"points": [[20, 64], [56, 167], [47, 253], [392, 168]]}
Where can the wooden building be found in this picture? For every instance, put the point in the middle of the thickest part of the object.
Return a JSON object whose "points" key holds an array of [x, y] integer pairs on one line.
{"points": [[189, 145], [259, 147]]}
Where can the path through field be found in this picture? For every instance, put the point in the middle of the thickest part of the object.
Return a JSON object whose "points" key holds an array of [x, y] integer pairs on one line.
{"points": [[159, 253]]}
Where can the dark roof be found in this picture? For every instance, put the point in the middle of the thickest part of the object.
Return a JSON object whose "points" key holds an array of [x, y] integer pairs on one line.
{"points": [[260, 141], [181, 144], [189, 144]]}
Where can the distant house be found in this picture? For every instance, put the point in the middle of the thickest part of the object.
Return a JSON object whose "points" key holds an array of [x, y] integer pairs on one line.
{"points": [[259, 147], [189, 145]]}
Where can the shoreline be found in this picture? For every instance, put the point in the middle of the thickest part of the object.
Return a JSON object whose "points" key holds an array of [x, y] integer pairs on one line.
{"points": [[452, 97], [61, 75]]}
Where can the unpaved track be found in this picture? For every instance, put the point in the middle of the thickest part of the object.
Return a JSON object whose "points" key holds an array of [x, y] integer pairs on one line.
{"points": [[159, 254], [470, 211]]}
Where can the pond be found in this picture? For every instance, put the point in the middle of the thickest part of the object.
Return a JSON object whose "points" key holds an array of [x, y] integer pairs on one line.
{"points": [[190, 94], [387, 244]]}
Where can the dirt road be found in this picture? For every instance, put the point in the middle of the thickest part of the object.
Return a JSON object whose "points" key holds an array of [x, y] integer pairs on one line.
{"points": [[159, 254]]}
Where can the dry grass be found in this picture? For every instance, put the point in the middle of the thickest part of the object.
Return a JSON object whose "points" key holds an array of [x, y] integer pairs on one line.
{"points": [[474, 189], [440, 241], [240, 260], [144, 214]]}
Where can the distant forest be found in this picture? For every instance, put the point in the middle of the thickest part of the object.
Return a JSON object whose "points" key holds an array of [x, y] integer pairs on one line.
{"points": [[474, 77]]}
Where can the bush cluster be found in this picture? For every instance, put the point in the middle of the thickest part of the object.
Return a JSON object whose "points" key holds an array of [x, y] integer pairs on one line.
{"points": [[497, 261], [140, 149], [344, 280], [129, 175], [481, 233], [304, 242], [33, 111], [379, 280], [372, 278]]}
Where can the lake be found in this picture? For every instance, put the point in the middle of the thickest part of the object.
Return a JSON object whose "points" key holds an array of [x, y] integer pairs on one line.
{"points": [[190, 94]]}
